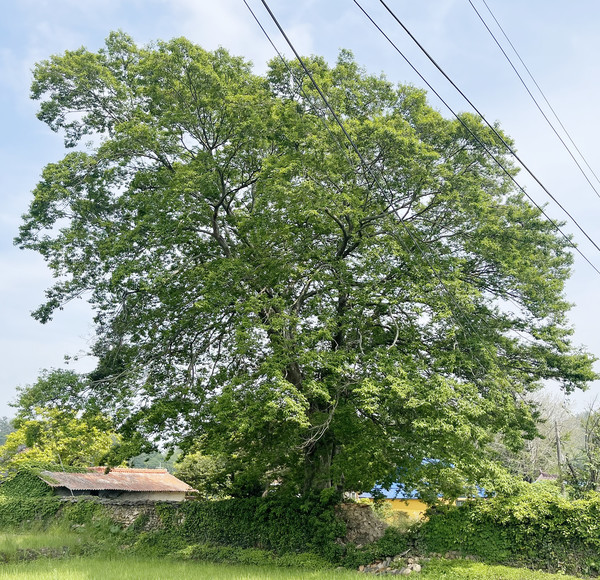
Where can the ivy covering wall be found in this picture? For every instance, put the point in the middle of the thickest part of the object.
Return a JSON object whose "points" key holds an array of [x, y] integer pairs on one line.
{"points": [[537, 528]]}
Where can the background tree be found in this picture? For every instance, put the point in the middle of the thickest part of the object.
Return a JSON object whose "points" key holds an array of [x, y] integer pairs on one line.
{"points": [[207, 474], [582, 462], [57, 437], [156, 459], [557, 427], [307, 315], [54, 388], [6, 427]]}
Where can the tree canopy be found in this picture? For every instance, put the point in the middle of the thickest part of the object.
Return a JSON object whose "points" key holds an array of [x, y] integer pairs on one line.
{"points": [[57, 437], [260, 289]]}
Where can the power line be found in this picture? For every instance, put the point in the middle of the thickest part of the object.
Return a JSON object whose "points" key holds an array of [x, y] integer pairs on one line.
{"points": [[492, 128], [299, 82], [541, 91], [365, 166], [481, 144], [535, 100], [363, 162]]}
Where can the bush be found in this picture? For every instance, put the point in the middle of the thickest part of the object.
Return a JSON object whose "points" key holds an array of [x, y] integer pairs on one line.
{"points": [[251, 556], [538, 528], [393, 542], [25, 484], [83, 512], [277, 523], [23, 512]]}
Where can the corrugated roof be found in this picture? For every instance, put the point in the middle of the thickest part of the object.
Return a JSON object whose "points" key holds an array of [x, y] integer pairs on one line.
{"points": [[119, 478]]}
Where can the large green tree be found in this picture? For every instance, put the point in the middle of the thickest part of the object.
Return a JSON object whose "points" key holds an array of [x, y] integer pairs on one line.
{"points": [[261, 289]]}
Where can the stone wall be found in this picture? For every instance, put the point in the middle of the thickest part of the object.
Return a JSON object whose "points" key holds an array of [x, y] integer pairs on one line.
{"points": [[362, 525], [126, 512]]}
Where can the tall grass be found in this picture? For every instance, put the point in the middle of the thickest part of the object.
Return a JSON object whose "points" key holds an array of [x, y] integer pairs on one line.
{"points": [[153, 569], [11, 543], [130, 568]]}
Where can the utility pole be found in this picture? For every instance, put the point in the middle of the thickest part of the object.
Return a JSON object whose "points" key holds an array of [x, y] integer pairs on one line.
{"points": [[559, 458]]}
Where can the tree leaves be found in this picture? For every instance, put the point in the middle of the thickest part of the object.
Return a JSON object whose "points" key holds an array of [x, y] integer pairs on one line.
{"points": [[326, 321]]}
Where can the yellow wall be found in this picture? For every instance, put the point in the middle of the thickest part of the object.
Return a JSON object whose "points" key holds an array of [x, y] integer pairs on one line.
{"points": [[412, 508]]}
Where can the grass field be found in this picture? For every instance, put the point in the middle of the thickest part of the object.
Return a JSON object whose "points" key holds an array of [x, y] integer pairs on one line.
{"points": [[466, 570], [10, 543], [144, 569], [112, 565], [126, 568]]}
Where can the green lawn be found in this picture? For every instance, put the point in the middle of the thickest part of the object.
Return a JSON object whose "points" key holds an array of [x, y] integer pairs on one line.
{"points": [[127, 568], [466, 570]]}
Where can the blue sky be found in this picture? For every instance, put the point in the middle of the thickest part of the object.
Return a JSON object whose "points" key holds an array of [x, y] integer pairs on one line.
{"points": [[559, 41]]}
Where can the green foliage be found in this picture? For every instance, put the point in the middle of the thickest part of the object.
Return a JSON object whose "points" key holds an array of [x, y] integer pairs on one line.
{"points": [[83, 512], [216, 224], [392, 543], [158, 543], [25, 484], [208, 474], [277, 524], [57, 436], [55, 388], [25, 499], [582, 471], [21, 512], [156, 459], [538, 528]]}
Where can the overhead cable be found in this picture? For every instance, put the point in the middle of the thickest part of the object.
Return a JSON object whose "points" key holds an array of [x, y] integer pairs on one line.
{"points": [[484, 147], [456, 307], [491, 127], [540, 90], [565, 145]]}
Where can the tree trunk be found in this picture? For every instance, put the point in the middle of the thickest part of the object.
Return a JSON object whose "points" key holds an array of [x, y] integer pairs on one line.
{"points": [[317, 464]]}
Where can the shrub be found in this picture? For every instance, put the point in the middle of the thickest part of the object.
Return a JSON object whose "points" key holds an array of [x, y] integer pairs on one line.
{"points": [[392, 543], [537, 528], [281, 524], [23, 512]]}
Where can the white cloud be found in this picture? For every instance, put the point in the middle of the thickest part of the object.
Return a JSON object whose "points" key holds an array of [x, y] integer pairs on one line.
{"points": [[228, 23], [225, 23]]}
